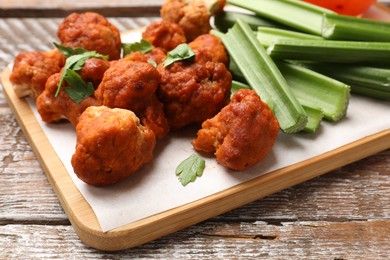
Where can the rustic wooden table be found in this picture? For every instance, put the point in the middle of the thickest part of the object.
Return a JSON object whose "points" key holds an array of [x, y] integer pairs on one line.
{"points": [[344, 214]]}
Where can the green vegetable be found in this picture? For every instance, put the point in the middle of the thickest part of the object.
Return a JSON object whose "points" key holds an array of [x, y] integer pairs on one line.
{"points": [[69, 51], [331, 51], [314, 116], [78, 89], [181, 52], [76, 62], [267, 36], [142, 46], [368, 81], [189, 169], [225, 20], [342, 27], [264, 77], [369, 92], [317, 90], [300, 15]]}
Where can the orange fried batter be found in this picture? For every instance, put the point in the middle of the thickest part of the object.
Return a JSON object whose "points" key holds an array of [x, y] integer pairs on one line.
{"points": [[93, 70], [53, 109], [131, 83], [111, 145], [193, 91], [92, 32], [211, 45], [193, 17], [31, 69], [242, 134], [164, 34]]}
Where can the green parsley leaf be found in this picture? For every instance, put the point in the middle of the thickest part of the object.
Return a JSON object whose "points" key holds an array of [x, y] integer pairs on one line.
{"points": [[153, 63], [190, 168], [69, 51], [75, 63], [143, 46], [181, 52], [78, 89]]}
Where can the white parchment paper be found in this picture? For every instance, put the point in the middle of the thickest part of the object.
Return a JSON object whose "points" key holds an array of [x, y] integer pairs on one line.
{"points": [[155, 188]]}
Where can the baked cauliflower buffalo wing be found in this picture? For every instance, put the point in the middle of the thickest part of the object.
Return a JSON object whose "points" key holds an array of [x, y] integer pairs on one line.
{"points": [[93, 70], [131, 83], [193, 91], [164, 34], [240, 135], [212, 46], [193, 16], [55, 108], [111, 145], [31, 69], [92, 32]]}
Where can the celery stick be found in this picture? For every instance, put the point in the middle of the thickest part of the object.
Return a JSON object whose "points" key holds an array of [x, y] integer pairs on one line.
{"points": [[369, 92], [342, 27], [317, 90], [331, 51], [370, 77], [267, 36], [296, 14], [314, 116], [234, 70], [225, 20], [264, 77], [369, 81]]}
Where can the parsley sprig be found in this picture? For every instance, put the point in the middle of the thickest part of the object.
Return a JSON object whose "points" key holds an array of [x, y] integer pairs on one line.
{"points": [[75, 58], [181, 52], [142, 46], [189, 169]]}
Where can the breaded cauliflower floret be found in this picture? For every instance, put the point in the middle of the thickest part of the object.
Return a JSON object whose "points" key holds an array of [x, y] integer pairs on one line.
{"points": [[93, 70], [55, 108], [131, 83], [193, 91], [193, 16], [92, 32], [211, 45], [111, 145], [31, 69], [242, 134], [164, 34]]}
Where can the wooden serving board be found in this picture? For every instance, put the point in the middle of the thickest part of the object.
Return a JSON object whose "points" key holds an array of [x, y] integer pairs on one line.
{"points": [[86, 224]]}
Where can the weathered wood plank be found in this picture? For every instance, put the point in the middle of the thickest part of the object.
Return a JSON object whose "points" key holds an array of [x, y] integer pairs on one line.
{"points": [[242, 240], [356, 191], [58, 8]]}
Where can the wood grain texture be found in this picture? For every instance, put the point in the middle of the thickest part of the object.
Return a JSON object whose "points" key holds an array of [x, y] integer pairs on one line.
{"points": [[58, 8], [336, 215], [240, 240]]}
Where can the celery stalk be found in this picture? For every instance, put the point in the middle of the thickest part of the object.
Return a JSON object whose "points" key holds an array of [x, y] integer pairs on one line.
{"points": [[225, 20], [264, 77], [317, 90], [300, 15], [267, 36], [342, 27], [369, 81], [331, 51], [314, 116], [374, 93]]}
